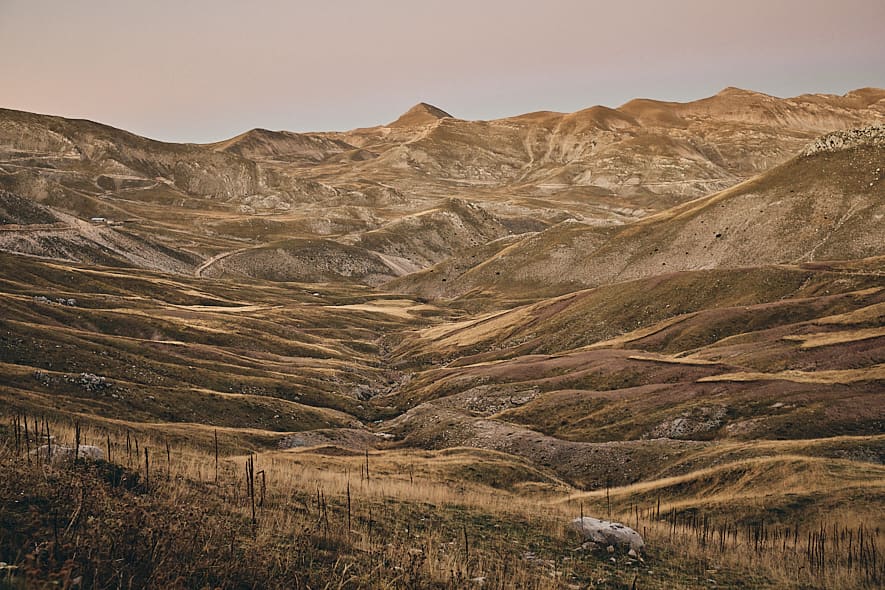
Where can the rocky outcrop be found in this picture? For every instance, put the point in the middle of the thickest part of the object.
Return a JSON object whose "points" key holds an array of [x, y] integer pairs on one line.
{"points": [[847, 139]]}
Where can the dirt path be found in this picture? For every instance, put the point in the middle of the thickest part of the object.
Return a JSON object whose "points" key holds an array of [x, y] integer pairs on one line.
{"points": [[199, 270]]}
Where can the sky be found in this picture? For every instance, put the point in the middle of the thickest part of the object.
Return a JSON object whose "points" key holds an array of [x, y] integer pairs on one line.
{"points": [[200, 70]]}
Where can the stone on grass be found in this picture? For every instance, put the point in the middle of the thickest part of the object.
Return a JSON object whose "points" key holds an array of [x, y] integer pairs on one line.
{"points": [[61, 453], [605, 532]]}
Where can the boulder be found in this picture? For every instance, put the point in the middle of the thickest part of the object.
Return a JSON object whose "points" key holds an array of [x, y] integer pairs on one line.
{"points": [[605, 532], [62, 453]]}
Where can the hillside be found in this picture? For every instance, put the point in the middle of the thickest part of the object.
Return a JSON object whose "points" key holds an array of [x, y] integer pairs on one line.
{"points": [[420, 114], [599, 166], [285, 146], [407, 356], [821, 205]]}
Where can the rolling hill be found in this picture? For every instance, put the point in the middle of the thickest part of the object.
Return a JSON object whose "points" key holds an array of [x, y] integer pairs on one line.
{"points": [[441, 340], [825, 204]]}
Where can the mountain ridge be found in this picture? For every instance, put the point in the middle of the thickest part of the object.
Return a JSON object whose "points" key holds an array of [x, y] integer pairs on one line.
{"points": [[597, 166], [672, 314], [772, 226]]}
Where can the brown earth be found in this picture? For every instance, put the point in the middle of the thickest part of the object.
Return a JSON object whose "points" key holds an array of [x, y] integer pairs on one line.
{"points": [[610, 306]]}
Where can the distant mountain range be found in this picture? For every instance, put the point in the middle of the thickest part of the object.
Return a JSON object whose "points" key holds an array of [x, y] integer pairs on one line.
{"points": [[428, 189]]}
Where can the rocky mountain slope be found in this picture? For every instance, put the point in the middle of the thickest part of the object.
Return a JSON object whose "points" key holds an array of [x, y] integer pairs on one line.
{"points": [[599, 166], [825, 204]]}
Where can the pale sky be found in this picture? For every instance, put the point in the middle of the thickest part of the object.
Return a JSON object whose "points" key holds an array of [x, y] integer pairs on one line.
{"points": [[201, 70]]}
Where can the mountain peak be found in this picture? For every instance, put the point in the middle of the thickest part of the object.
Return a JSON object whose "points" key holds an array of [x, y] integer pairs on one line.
{"points": [[733, 91], [420, 114]]}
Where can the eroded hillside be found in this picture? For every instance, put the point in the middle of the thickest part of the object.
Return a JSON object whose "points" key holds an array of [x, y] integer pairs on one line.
{"points": [[387, 190], [503, 321]]}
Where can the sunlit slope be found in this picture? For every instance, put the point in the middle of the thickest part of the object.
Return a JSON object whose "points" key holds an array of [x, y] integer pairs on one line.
{"points": [[825, 205]]}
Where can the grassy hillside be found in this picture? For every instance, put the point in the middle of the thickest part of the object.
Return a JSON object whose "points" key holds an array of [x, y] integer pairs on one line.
{"points": [[823, 206], [333, 522]]}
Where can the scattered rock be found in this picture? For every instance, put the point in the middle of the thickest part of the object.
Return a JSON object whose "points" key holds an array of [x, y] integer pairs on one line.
{"points": [[70, 302], [91, 382], [363, 393], [691, 423], [843, 140], [88, 381]]}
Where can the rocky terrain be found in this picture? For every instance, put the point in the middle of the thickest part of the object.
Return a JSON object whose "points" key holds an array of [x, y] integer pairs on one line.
{"points": [[825, 204], [614, 306], [387, 190]]}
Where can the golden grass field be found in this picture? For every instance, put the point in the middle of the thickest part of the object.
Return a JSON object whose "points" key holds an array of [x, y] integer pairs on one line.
{"points": [[324, 517], [249, 368]]}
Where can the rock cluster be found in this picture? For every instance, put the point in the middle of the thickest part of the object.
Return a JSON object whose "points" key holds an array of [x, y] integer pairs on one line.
{"points": [[70, 302], [849, 138], [691, 423], [88, 381]]}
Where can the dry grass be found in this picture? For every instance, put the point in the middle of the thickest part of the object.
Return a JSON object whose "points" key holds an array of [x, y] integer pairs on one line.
{"points": [[870, 313], [840, 337], [400, 519], [311, 525], [873, 373]]}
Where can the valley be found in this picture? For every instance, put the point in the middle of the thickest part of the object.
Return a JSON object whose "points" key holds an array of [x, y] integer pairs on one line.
{"points": [[451, 337]]}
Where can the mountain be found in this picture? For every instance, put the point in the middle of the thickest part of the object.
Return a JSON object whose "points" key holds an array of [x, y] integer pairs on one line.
{"points": [[611, 164], [600, 166], [264, 145], [597, 167], [668, 314], [420, 114], [825, 204]]}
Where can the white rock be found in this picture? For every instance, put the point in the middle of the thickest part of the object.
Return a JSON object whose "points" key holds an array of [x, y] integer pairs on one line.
{"points": [[62, 453], [843, 140], [605, 532]]}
